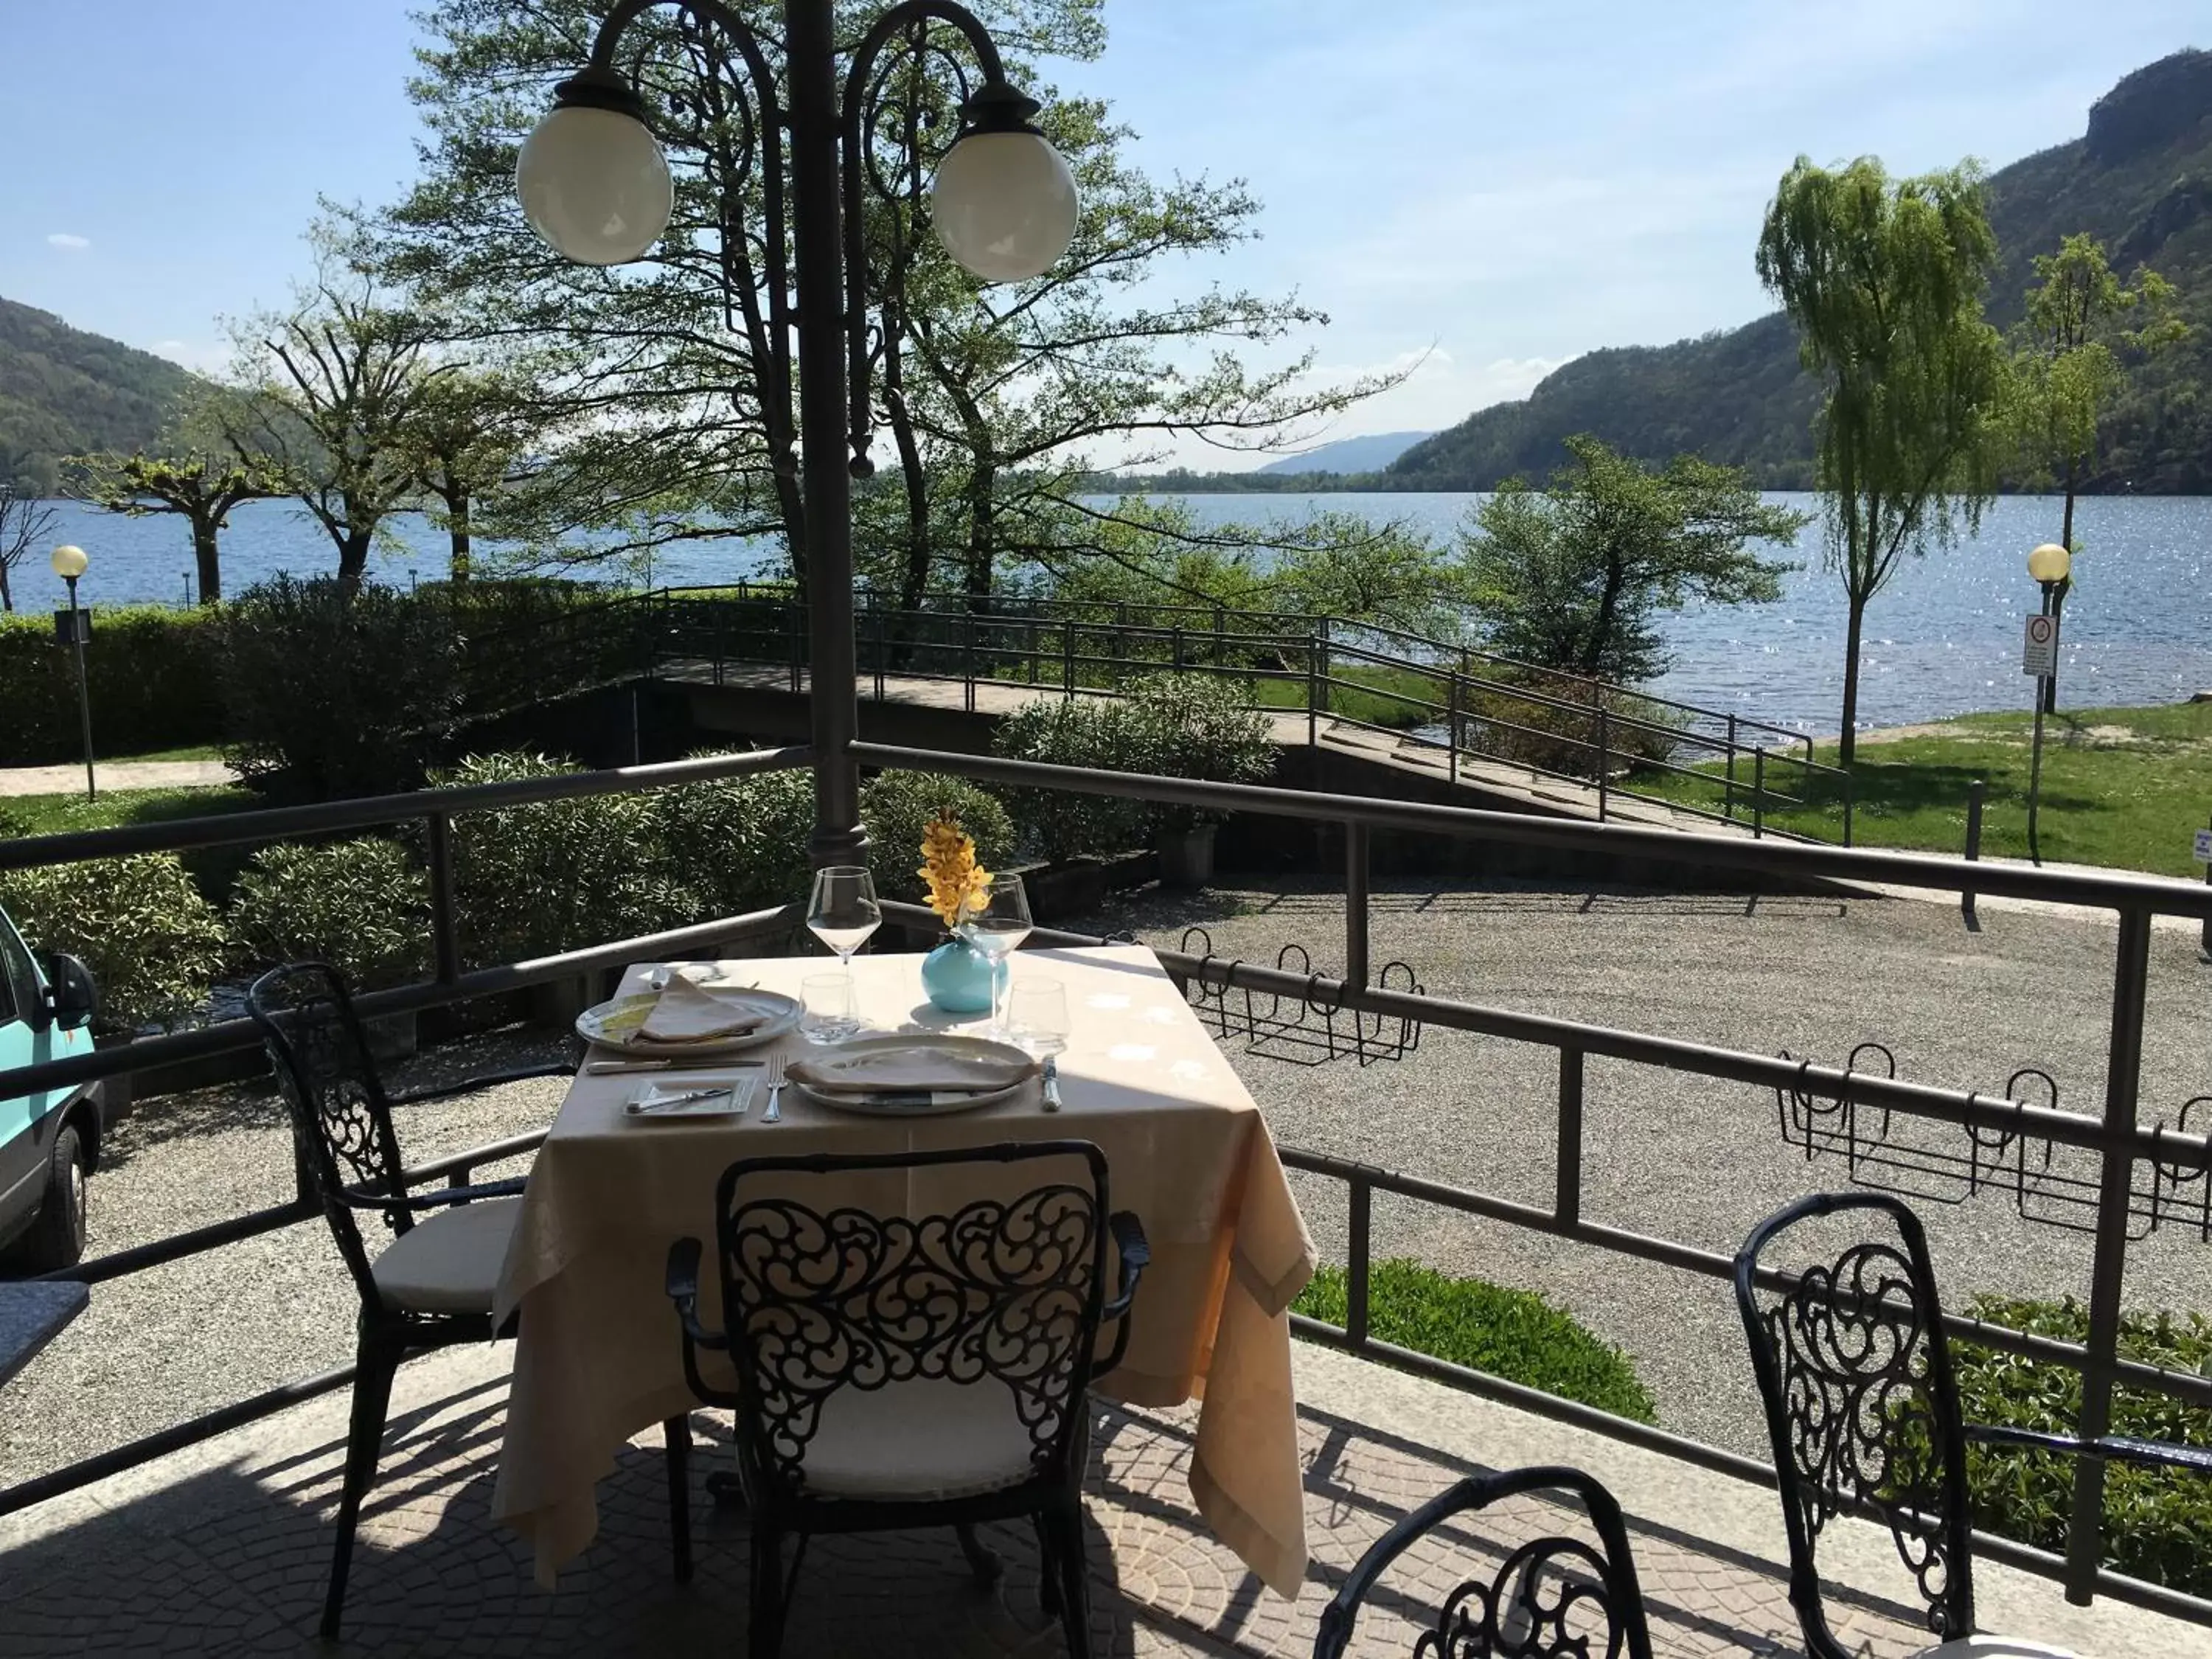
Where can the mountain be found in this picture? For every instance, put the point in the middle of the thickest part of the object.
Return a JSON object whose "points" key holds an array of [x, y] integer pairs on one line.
{"points": [[64, 391], [2140, 180], [1367, 454]]}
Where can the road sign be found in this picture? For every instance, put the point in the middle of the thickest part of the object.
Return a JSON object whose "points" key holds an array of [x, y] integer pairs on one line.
{"points": [[2040, 654], [2205, 846]]}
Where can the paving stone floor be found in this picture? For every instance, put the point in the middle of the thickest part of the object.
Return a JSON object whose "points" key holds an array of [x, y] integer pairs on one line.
{"points": [[221, 1550]]}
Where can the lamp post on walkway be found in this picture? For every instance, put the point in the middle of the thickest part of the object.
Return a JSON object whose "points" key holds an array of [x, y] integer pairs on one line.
{"points": [[2049, 566], [596, 185], [69, 563]]}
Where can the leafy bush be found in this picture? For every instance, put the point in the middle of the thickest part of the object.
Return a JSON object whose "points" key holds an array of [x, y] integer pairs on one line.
{"points": [[555, 876], [2157, 1522], [735, 845], [138, 922], [1096, 733], [1197, 726], [149, 673], [1560, 734], [895, 804], [363, 904], [1515, 1334], [346, 694]]}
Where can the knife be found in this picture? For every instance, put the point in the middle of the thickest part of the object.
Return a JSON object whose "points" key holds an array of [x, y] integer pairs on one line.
{"points": [[1052, 1083]]}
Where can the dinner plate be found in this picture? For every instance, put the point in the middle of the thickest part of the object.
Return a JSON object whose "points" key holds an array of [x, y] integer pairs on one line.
{"points": [[912, 1106], [615, 1024]]}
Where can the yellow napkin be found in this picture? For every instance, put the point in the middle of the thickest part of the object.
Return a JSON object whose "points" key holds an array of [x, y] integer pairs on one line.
{"points": [[923, 1068], [684, 1013]]}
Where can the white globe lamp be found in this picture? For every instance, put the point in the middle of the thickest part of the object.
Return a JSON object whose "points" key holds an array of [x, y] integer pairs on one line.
{"points": [[1004, 202], [592, 177]]}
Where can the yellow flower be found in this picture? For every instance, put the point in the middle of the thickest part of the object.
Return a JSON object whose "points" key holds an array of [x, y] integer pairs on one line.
{"points": [[959, 885]]}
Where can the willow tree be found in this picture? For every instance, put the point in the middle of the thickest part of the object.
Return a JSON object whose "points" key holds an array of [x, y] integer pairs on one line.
{"points": [[1884, 279], [201, 489], [678, 366]]}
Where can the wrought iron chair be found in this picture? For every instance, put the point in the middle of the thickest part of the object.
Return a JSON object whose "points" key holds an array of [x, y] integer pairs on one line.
{"points": [[896, 1372], [1862, 1412], [1550, 1597], [431, 1286]]}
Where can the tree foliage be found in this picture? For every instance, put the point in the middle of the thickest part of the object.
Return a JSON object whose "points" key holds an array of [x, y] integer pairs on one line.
{"points": [[1884, 280], [1574, 576], [200, 489]]}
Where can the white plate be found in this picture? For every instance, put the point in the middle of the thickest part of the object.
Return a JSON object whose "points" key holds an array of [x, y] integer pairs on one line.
{"points": [[728, 1100], [879, 1106], [615, 1026]]}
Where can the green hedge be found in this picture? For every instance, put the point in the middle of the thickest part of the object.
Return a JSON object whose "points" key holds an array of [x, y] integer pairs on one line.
{"points": [[2158, 1523], [152, 942], [895, 805], [151, 673], [1515, 1334]]}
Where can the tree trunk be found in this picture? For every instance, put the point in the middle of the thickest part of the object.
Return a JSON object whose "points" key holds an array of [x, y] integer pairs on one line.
{"points": [[1847, 743], [457, 531], [980, 530], [7, 598], [353, 559], [206, 556]]}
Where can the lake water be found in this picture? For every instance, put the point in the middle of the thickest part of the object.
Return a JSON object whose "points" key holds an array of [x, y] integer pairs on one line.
{"points": [[1943, 638]]}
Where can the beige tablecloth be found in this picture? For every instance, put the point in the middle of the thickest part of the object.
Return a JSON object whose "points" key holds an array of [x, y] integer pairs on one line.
{"points": [[598, 1360]]}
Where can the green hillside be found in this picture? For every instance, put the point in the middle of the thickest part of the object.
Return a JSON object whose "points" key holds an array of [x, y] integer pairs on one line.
{"points": [[2140, 180], [64, 392]]}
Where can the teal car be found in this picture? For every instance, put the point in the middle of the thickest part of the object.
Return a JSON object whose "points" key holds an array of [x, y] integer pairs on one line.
{"points": [[49, 1141]]}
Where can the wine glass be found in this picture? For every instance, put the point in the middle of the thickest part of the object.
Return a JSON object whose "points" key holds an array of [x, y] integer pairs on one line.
{"points": [[997, 928], [844, 912]]}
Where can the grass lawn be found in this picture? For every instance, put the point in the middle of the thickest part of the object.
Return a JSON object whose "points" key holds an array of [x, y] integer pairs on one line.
{"points": [[1395, 697], [53, 815], [2122, 788]]}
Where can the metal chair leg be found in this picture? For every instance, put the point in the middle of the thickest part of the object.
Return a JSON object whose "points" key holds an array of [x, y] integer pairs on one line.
{"points": [[764, 1609], [372, 1397], [1074, 1581], [676, 1441], [1048, 1568], [983, 1560]]}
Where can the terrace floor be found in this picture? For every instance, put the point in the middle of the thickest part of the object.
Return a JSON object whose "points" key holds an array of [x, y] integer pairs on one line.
{"points": [[223, 1549]]}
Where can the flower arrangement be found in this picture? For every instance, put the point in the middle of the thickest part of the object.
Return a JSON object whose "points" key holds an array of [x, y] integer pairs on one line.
{"points": [[959, 887]]}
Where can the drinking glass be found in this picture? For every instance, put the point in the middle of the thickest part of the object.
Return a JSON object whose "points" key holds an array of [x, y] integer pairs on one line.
{"points": [[1036, 1009], [828, 999], [844, 911], [996, 929]]}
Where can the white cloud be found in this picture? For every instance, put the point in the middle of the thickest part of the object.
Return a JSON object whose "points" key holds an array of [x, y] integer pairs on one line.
{"points": [[69, 241]]}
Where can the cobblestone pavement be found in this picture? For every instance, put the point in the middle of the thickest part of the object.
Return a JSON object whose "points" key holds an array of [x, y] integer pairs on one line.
{"points": [[224, 1551]]}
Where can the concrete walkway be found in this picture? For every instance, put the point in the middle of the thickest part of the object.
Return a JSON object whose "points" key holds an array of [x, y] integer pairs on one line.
{"points": [[114, 775]]}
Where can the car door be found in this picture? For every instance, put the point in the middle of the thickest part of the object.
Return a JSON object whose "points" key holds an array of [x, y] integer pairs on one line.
{"points": [[26, 1129]]}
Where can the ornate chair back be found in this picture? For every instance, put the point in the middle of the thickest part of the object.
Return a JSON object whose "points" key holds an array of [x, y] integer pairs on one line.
{"points": [[1551, 1596], [341, 1117], [1001, 1291], [1861, 1409]]}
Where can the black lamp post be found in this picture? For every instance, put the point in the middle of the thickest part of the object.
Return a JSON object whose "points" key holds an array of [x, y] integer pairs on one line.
{"points": [[595, 184], [69, 563], [2048, 566]]}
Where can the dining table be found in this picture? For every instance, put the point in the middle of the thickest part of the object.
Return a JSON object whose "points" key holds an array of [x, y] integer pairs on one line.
{"points": [[598, 1357]]}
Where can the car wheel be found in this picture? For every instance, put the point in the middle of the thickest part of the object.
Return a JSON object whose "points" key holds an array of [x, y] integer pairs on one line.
{"points": [[57, 1238]]}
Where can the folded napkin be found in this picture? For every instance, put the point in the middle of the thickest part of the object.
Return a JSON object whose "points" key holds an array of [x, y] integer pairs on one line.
{"points": [[923, 1069], [684, 1013]]}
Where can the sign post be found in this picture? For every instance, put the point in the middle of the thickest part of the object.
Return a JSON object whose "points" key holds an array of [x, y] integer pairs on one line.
{"points": [[2204, 850], [2039, 657]]}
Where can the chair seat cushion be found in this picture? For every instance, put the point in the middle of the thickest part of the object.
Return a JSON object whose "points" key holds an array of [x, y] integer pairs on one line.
{"points": [[448, 1262], [919, 1440], [1995, 1647]]}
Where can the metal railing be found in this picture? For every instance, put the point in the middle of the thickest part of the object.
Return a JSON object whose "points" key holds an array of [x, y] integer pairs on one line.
{"points": [[1470, 708], [2116, 1139]]}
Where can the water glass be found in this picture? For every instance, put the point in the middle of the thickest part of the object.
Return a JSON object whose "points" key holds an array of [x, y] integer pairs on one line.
{"points": [[1036, 1013], [830, 1016]]}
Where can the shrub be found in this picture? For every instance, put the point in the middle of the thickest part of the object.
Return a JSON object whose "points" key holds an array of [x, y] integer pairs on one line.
{"points": [[1560, 734], [346, 694], [735, 845], [1095, 733], [363, 904], [1515, 1334], [138, 922], [555, 876], [1196, 725], [2156, 1521], [150, 671], [895, 804]]}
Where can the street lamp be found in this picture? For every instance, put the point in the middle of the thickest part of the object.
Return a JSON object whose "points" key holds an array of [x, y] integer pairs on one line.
{"points": [[2048, 565], [69, 563], [595, 184]]}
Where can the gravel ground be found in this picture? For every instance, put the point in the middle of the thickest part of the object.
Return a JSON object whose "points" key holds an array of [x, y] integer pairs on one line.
{"points": [[1665, 1153]]}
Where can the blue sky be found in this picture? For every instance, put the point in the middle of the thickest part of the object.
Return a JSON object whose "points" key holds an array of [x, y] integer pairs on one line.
{"points": [[1500, 183]]}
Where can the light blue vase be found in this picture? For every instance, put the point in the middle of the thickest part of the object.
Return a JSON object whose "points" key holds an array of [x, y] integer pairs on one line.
{"points": [[957, 977]]}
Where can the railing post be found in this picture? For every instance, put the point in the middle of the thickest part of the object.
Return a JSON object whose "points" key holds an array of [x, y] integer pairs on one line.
{"points": [[1356, 864], [1851, 788], [1758, 792], [1177, 657], [1452, 732], [1220, 621], [1567, 1184], [792, 625], [2122, 1081], [1313, 690], [968, 674], [1728, 809], [1360, 1245], [1973, 848], [1030, 652], [445, 945], [2204, 934], [1604, 760], [876, 612], [1068, 655]]}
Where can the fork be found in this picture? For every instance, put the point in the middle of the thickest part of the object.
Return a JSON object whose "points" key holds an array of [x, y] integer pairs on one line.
{"points": [[772, 1075]]}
